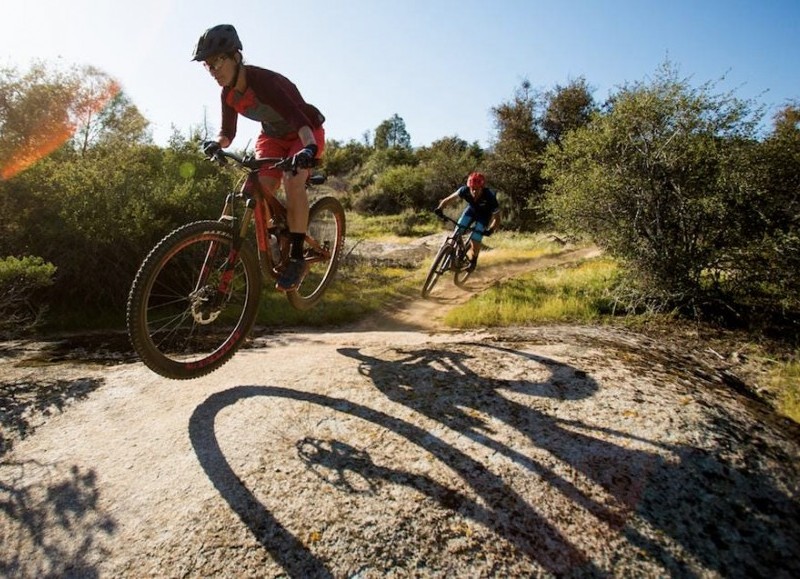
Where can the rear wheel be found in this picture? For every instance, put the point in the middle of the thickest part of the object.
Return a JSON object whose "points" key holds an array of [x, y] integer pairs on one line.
{"points": [[441, 263], [322, 250], [180, 323]]}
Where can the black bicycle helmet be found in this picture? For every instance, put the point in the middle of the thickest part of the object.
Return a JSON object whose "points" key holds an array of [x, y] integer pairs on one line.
{"points": [[219, 39]]}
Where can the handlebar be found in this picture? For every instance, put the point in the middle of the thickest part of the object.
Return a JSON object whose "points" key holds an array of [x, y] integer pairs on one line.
{"points": [[251, 162], [446, 218]]}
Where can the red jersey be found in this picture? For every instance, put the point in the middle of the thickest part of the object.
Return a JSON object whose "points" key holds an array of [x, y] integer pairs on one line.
{"points": [[271, 99]]}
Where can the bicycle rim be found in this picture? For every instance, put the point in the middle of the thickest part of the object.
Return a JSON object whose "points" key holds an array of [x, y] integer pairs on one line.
{"points": [[324, 243], [178, 324], [440, 264]]}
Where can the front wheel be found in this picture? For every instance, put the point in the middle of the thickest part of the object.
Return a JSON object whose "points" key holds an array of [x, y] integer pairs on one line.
{"points": [[322, 250], [188, 313], [440, 264]]}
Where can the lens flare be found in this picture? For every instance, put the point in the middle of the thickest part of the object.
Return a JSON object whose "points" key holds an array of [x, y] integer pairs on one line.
{"points": [[54, 126]]}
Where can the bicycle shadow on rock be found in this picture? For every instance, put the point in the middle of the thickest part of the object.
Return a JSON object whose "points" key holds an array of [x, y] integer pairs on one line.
{"points": [[50, 520], [498, 507], [732, 520]]}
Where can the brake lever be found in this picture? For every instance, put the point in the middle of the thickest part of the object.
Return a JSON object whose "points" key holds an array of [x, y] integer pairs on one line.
{"points": [[285, 166]]}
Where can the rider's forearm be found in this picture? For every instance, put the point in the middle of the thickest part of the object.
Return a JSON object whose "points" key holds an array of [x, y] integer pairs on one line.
{"points": [[447, 200], [307, 136]]}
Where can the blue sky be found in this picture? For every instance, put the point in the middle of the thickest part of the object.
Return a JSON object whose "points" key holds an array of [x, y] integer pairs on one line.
{"points": [[440, 64]]}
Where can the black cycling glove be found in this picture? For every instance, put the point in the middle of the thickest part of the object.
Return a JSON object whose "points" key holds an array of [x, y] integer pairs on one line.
{"points": [[304, 158], [210, 148]]}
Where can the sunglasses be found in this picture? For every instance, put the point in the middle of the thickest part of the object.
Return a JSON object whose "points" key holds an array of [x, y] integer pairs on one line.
{"points": [[216, 65]]}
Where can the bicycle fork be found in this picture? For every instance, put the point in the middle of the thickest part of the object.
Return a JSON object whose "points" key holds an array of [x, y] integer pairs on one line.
{"points": [[239, 234]]}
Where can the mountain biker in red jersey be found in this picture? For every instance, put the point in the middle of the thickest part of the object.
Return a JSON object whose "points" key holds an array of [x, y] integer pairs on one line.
{"points": [[290, 127], [482, 209]]}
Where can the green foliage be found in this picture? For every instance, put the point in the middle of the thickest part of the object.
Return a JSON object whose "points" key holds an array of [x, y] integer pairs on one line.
{"points": [[661, 180], [395, 180], [380, 161], [525, 126], [96, 216], [514, 168], [446, 164], [567, 108], [402, 186], [575, 293], [21, 300], [764, 270], [45, 108], [392, 134], [785, 382], [341, 159]]}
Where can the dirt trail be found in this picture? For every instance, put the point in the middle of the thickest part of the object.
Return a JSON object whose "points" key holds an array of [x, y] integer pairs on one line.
{"points": [[428, 314], [397, 449]]}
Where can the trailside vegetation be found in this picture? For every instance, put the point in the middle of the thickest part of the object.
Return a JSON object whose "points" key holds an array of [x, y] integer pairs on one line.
{"points": [[693, 194]]}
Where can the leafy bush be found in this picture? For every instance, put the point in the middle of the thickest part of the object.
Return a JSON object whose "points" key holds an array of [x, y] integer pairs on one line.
{"points": [[21, 303], [662, 180]]}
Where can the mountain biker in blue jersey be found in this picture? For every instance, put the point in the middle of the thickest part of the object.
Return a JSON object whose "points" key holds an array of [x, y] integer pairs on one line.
{"points": [[482, 209], [290, 128]]}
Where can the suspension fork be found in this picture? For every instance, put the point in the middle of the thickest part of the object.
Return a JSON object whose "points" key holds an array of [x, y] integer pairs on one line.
{"points": [[239, 235]]}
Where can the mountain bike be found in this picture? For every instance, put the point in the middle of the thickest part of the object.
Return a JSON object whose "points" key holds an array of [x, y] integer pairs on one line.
{"points": [[451, 256], [195, 297]]}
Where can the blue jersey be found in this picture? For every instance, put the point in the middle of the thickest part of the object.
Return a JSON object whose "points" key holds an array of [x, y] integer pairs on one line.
{"points": [[482, 207]]}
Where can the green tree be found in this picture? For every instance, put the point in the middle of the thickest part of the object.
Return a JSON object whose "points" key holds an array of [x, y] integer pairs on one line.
{"points": [[392, 134], [35, 115], [766, 268], [567, 108], [342, 159], [661, 180], [105, 115], [445, 165], [515, 165]]}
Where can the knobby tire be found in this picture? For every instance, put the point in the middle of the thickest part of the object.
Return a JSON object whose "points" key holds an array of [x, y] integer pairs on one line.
{"points": [[440, 264], [177, 327], [326, 226]]}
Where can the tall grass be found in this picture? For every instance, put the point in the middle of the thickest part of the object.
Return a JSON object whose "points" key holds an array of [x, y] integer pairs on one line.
{"points": [[785, 380], [406, 224], [566, 293], [358, 290]]}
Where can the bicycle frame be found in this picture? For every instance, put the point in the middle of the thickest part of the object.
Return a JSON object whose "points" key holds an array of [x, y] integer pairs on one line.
{"points": [[267, 212], [459, 238], [451, 256], [261, 207]]}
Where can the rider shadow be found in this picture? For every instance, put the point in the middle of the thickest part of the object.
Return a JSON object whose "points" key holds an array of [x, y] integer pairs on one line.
{"points": [[439, 384], [499, 506], [697, 499]]}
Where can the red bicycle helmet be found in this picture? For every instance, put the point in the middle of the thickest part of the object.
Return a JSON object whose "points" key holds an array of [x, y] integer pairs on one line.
{"points": [[476, 180], [219, 39]]}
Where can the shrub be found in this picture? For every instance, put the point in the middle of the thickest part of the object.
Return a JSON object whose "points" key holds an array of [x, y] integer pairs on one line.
{"points": [[21, 303]]}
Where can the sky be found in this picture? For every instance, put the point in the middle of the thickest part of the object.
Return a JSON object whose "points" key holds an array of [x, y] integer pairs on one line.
{"points": [[441, 65]]}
